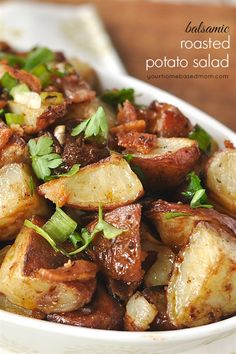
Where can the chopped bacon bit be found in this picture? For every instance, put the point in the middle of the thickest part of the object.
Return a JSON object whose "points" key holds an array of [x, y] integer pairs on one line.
{"points": [[137, 142], [135, 126], [80, 270], [30, 80], [165, 120], [75, 88], [127, 113], [228, 144], [5, 134], [3, 104]]}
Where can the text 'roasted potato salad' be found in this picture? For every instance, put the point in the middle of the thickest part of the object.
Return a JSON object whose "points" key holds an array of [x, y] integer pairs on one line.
{"points": [[113, 215]]}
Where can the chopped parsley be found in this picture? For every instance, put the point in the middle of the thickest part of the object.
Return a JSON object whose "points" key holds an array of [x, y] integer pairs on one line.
{"points": [[195, 193], [115, 97], [96, 126], [202, 137]]}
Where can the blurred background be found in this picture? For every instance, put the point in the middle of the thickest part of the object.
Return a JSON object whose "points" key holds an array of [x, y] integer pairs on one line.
{"points": [[120, 35]]}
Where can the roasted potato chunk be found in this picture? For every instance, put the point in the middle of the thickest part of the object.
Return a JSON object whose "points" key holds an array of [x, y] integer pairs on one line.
{"points": [[39, 118], [6, 305], [103, 313], [166, 166], [120, 258], [221, 178], [139, 313], [110, 182], [17, 201], [175, 231], [24, 285], [202, 288]]}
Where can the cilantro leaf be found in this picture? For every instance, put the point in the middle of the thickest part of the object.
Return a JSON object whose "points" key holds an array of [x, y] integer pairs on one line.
{"points": [[115, 97], [43, 160], [74, 169], [195, 193], [96, 125], [202, 137]]}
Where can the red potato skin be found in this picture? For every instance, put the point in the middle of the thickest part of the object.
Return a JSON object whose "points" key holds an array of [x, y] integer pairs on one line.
{"points": [[120, 257], [165, 172], [103, 313]]}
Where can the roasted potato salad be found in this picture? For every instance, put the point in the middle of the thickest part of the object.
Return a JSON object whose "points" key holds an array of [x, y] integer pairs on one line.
{"points": [[113, 215]]}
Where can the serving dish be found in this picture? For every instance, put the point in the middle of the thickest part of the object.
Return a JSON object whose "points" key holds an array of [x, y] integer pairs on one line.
{"points": [[23, 335]]}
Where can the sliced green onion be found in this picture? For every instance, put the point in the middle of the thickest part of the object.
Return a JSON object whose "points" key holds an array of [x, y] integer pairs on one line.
{"points": [[128, 157], [2, 112], [12, 118], [31, 186], [8, 82], [21, 88], [60, 226], [13, 60], [52, 97], [175, 214], [38, 56], [109, 231], [43, 74], [196, 202]]}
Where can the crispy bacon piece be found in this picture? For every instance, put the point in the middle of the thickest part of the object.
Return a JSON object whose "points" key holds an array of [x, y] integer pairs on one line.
{"points": [[133, 126], [103, 313], [77, 151], [78, 270], [30, 80], [48, 117], [5, 134], [127, 113], [165, 120], [75, 88], [120, 257], [137, 142]]}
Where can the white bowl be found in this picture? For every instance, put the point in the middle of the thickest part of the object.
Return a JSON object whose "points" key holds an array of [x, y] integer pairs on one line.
{"points": [[30, 336]]}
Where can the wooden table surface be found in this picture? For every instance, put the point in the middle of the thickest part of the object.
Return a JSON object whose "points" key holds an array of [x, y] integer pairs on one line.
{"points": [[141, 30]]}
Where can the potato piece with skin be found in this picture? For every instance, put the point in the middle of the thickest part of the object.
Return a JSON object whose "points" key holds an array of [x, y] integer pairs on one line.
{"points": [[175, 232], [221, 178], [22, 284], [104, 312], [139, 313], [120, 257], [202, 288], [38, 119], [15, 151], [166, 166], [110, 182], [16, 202]]}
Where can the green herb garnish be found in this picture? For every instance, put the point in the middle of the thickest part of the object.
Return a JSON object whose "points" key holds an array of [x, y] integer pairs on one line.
{"points": [[52, 97], [38, 56], [12, 60], [43, 159], [96, 125], [74, 169], [13, 118], [42, 72], [8, 82], [195, 193], [202, 137], [115, 97], [61, 227], [128, 157], [174, 214]]}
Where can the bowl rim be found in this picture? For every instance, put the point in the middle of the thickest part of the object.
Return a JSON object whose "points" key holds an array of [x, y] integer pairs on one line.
{"points": [[188, 334]]}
